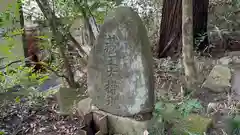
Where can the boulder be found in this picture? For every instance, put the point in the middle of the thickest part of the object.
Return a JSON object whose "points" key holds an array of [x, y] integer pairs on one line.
{"points": [[218, 79]]}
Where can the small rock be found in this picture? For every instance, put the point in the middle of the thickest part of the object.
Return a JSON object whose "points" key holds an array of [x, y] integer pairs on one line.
{"points": [[218, 79], [236, 59], [235, 84], [238, 106], [84, 106], [225, 61], [212, 107], [145, 132], [94, 108]]}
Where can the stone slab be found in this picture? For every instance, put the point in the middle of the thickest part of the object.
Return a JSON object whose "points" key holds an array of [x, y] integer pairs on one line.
{"points": [[67, 98], [84, 106], [124, 125], [120, 67], [95, 124]]}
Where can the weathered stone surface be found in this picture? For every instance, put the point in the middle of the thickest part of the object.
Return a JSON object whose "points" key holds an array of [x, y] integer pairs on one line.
{"points": [[124, 125], [225, 60], [236, 59], [120, 72], [67, 98], [84, 106], [236, 84], [194, 124], [218, 79]]}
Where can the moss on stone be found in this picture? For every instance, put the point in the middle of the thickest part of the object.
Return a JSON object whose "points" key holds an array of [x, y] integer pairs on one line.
{"points": [[193, 123]]}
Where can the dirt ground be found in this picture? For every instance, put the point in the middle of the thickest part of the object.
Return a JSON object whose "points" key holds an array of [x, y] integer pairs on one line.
{"points": [[43, 118], [40, 119]]}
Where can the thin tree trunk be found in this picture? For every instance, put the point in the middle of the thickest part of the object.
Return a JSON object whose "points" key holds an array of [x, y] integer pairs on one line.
{"points": [[170, 31], [94, 27], [187, 41], [24, 40], [59, 38]]}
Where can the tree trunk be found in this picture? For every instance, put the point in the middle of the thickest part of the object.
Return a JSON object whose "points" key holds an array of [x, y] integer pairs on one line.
{"points": [[170, 31], [187, 41], [200, 17], [24, 40]]}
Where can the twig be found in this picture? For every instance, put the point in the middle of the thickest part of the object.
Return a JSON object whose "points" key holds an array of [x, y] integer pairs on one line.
{"points": [[41, 63], [14, 62], [9, 64]]}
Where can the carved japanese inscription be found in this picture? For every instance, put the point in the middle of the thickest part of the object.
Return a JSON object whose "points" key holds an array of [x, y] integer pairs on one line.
{"points": [[112, 69], [120, 74]]}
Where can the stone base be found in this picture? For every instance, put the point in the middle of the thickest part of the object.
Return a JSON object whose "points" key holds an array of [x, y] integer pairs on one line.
{"points": [[95, 124], [116, 124], [124, 125]]}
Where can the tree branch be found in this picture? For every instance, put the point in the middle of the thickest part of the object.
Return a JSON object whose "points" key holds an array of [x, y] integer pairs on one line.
{"points": [[41, 63], [9, 64]]}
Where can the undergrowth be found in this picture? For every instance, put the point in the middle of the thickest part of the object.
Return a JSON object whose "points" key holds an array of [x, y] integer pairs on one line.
{"points": [[18, 87], [167, 114], [170, 119]]}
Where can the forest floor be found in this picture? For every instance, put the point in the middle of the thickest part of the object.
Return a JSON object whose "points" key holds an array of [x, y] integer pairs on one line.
{"points": [[41, 117], [169, 81]]}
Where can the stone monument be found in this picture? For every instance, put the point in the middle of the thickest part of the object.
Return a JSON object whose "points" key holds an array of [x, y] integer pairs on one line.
{"points": [[120, 72]]}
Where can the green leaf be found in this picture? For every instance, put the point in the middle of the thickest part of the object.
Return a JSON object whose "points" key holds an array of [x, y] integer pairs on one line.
{"points": [[17, 99], [16, 32], [159, 107], [194, 103], [41, 80], [188, 106], [234, 125], [5, 50], [42, 37], [2, 133]]}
